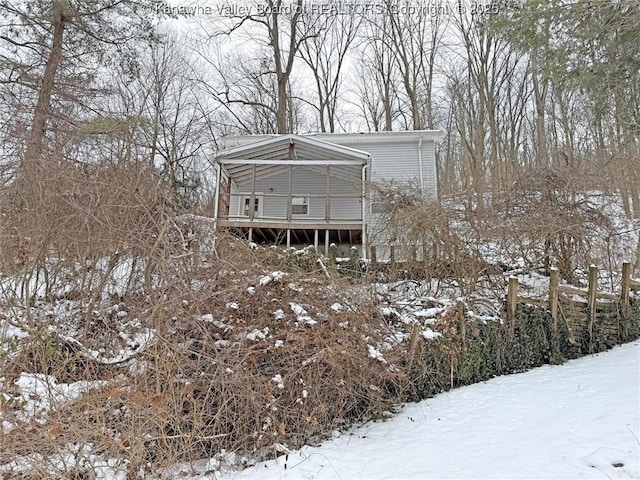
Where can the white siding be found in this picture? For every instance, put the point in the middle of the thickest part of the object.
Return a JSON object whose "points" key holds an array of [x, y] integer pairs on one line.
{"points": [[399, 161], [430, 176]]}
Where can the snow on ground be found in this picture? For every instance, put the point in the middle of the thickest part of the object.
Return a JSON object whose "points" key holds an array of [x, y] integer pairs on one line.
{"points": [[38, 393], [577, 420]]}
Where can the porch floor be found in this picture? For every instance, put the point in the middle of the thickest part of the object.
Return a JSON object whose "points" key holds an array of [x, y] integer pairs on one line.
{"points": [[299, 236]]}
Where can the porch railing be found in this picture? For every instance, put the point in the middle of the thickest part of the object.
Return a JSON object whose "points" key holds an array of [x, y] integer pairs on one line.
{"points": [[282, 202]]}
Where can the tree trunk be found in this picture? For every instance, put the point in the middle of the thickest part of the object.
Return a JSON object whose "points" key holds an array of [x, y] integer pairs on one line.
{"points": [[388, 115], [635, 201], [33, 151], [283, 100], [540, 98]]}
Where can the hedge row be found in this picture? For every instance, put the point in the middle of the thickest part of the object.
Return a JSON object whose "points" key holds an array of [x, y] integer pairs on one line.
{"points": [[475, 352]]}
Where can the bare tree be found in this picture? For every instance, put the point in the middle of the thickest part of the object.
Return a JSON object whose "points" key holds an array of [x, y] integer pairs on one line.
{"points": [[414, 40], [174, 127], [584, 73], [488, 90], [283, 32], [377, 88], [54, 49], [155, 117], [246, 91], [328, 41]]}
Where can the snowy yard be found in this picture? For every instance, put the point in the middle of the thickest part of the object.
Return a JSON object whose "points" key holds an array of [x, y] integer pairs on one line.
{"points": [[577, 420]]}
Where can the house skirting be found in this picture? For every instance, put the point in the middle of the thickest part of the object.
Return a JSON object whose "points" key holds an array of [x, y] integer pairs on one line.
{"points": [[280, 234]]}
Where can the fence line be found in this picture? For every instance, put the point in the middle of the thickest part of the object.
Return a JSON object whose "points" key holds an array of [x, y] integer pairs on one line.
{"points": [[562, 301]]}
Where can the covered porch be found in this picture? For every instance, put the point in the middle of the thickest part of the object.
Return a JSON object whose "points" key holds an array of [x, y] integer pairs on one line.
{"points": [[293, 190]]}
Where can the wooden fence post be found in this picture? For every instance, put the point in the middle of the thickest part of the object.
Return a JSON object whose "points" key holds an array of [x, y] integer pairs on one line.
{"points": [[392, 263], [554, 283], [374, 255], [626, 283], [591, 298], [413, 344], [512, 297], [512, 304]]}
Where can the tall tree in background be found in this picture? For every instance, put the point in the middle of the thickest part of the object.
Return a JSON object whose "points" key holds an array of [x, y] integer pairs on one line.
{"points": [[157, 116], [377, 78], [325, 50], [245, 90], [284, 32], [51, 52], [588, 51], [173, 125], [414, 40]]}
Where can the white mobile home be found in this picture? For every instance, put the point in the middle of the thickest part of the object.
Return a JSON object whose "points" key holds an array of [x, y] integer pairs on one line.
{"points": [[315, 189]]}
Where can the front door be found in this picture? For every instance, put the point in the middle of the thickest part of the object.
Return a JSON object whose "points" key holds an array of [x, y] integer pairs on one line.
{"points": [[245, 206]]}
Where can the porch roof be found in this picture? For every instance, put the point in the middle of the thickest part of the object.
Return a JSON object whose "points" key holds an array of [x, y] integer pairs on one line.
{"points": [[269, 155]]}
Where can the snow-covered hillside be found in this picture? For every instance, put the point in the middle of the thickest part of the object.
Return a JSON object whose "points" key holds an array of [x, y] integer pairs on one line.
{"points": [[173, 361]]}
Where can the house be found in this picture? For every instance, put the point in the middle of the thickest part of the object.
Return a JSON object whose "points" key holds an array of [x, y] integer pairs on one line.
{"points": [[316, 189]]}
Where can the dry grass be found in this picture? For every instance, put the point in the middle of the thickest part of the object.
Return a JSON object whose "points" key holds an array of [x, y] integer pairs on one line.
{"points": [[157, 345], [438, 240], [224, 373], [197, 352], [547, 218], [71, 212]]}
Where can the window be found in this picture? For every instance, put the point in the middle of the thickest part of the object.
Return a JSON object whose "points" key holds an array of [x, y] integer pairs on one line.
{"points": [[300, 205], [377, 204], [246, 201], [377, 208]]}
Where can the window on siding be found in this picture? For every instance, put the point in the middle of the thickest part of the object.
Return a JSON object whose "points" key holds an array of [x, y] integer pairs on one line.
{"points": [[377, 208], [256, 206], [376, 203], [299, 205]]}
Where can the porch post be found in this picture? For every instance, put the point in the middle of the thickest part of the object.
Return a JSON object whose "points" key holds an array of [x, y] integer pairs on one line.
{"points": [[327, 199], [289, 199], [363, 234], [252, 202], [216, 204], [326, 242]]}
